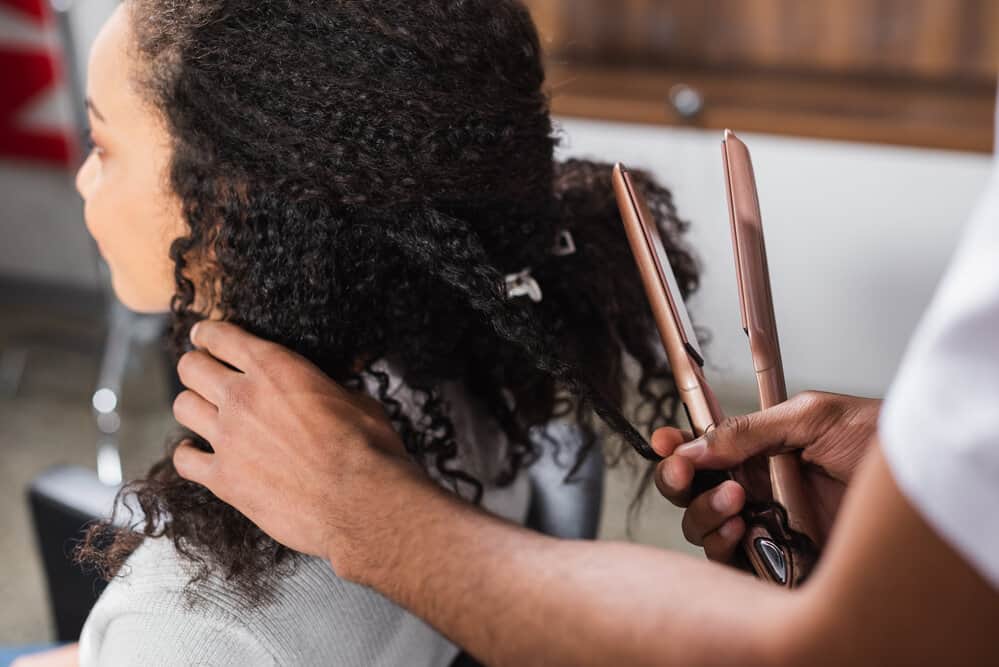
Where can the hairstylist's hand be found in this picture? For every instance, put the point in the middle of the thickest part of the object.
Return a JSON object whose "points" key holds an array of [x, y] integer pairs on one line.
{"points": [[833, 431], [312, 464]]}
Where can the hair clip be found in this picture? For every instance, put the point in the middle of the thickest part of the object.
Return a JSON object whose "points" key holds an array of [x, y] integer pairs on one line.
{"points": [[523, 284], [564, 244]]}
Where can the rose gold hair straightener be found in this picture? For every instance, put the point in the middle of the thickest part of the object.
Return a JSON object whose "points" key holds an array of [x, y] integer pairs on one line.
{"points": [[760, 325], [763, 550]]}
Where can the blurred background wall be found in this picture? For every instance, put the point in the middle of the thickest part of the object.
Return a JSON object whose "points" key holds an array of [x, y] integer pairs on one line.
{"points": [[871, 122]]}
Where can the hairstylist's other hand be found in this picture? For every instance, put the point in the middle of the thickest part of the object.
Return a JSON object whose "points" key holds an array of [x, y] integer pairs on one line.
{"points": [[831, 430], [311, 463]]}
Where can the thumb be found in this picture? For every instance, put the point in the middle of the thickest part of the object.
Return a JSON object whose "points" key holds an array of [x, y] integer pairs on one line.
{"points": [[739, 438]]}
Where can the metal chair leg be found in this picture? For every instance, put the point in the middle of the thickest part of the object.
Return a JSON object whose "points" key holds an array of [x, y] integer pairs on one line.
{"points": [[126, 330]]}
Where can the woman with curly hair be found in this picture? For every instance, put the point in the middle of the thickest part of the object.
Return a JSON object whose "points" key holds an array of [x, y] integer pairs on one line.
{"points": [[371, 184]]}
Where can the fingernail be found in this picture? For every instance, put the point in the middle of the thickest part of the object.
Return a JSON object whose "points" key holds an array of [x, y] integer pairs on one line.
{"points": [[692, 449], [194, 333], [720, 501]]}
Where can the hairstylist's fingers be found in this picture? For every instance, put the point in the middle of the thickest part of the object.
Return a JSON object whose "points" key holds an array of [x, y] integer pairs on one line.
{"points": [[673, 477], [721, 544], [226, 341], [739, 438], [193, 464], [206, 375], [197, 414], [666, 439], [709, 511]]}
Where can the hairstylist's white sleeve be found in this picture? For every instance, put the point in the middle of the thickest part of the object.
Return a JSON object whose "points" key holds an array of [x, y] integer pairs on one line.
{"points": [[940, 424]]}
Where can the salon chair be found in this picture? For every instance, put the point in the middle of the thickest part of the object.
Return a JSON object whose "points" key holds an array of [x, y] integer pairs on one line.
{"points": [[63, 500]]}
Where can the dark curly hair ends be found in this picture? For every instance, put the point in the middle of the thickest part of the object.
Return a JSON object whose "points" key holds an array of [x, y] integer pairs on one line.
{"points": [[357, 178]]}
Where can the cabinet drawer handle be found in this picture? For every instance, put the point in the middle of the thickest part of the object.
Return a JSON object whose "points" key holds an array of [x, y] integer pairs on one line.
{"points": [[686, 100]]}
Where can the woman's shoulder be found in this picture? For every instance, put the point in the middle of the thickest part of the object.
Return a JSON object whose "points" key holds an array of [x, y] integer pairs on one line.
{"points": [[157, 608], [157, 570], [149, 613]]}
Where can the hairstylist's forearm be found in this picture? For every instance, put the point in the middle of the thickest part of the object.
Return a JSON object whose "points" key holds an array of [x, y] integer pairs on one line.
{"points": [[889, 591], [513, 597]]}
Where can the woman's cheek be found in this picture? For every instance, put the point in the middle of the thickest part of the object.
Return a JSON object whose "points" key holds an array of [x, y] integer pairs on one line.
{"points": [[141, 257], [151, 230], [106, 210], [133, 248]]}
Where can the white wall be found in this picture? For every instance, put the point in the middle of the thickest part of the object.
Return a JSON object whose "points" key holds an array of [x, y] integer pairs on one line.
{"points": [[857, 237]]}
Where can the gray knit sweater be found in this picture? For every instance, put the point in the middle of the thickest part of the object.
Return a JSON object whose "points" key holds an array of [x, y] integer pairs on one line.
{"points": [[144, 619], [150, 617]]}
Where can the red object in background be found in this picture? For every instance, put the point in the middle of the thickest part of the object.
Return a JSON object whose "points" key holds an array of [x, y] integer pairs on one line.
{"points": [[26, 75], [33, 8]]}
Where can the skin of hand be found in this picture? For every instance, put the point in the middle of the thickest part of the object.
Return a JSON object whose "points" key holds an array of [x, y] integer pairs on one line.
{"points": [[276, 395], [319, 470], [64, 656], [833, 432]]}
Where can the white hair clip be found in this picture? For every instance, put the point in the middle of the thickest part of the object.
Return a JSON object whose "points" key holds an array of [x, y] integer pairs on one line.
{"points": [[523, 284]]}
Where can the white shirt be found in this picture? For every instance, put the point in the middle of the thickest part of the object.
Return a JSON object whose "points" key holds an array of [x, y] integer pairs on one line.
{"points": [[939, 426]]}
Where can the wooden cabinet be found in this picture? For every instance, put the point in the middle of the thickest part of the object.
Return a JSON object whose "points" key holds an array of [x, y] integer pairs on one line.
{"points": [[915, 72]]}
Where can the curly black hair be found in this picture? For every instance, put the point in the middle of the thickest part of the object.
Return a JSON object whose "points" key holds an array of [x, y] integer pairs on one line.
{"points": [[357, 178]]}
